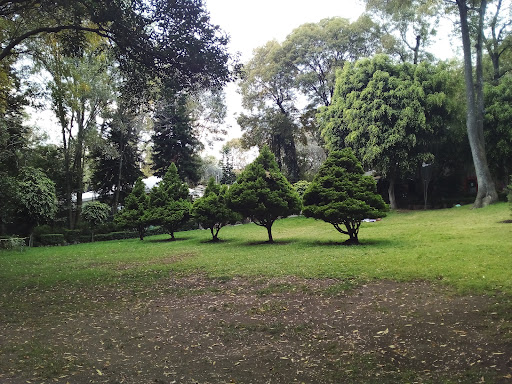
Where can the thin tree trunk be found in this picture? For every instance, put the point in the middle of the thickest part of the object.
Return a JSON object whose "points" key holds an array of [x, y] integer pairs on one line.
{"points": [[391, 193], [475, 109], [119, 176], [269, 231]]}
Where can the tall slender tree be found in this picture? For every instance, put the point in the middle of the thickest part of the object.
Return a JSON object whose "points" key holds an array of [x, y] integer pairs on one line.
{"points": [[173, 138], [116, 159]]}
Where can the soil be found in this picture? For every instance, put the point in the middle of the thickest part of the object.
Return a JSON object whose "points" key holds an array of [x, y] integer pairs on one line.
{"points": [[256, 330]]}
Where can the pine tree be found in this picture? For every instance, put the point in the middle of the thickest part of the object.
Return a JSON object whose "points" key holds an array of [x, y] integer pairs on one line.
{"points": [[169, 205], [133, 213], [228, 175], [211, 210], [116, 161], [174, 140], [340, 194], [262, 193]]}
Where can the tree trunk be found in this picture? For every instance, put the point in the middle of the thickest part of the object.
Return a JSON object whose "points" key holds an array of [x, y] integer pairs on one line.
{"points": [[172, 236], [475, 109], [119, 176], [141, 232], [391, 193], [269, 231]]}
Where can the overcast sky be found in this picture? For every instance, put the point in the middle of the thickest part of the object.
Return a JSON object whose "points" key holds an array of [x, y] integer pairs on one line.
{"points": [[252, 23]]}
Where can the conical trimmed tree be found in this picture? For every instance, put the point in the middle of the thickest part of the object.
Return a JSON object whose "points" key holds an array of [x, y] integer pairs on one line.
{"points": [[262, 193], [211, 210], [169, 204], [340, 194], [133, 213]]}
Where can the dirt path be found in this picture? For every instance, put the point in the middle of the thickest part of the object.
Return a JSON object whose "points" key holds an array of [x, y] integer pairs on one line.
{"points": [[201, 330]]}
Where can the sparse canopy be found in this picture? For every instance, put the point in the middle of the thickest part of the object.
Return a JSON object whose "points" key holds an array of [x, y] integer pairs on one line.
{"points": [[211, 210], [263, 194], [169, 205], [342, 195]]}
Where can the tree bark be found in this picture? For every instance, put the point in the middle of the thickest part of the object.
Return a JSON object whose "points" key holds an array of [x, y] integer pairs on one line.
{"points": [[475, 108], [269, 231], [391, 193]]}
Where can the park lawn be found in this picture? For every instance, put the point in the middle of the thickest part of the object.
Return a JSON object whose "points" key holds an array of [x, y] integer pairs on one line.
{"points": [[470, 250]]}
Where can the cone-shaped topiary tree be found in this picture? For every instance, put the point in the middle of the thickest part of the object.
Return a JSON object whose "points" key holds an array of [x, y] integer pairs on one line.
{"points": [[133, 213], [342, 195], [169, 204], [211, 210], [262, 193]]}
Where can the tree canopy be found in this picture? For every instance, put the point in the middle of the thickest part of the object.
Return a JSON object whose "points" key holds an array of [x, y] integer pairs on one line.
{"points": [[212, 211], [388, 113], [262, 193], [342, 195], [169, 204]]}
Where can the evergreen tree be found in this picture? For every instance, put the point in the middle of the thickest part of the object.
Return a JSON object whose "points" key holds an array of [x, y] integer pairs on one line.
{"points": [[169, 204], [340, 194], [211, 210], [262, 193], [133, 213], [116, 161], [228, 175], [174, 140]]}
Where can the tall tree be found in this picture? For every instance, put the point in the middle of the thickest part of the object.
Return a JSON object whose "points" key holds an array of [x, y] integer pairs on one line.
{"points": [[171, 40], [81, 88], [317, 50], [173, 138], [268, 93], [409, 25], [388, 113], [473, 75], [116, 159]]}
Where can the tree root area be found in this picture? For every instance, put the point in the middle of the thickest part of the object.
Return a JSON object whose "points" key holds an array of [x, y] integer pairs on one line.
{"points": [[197, 329]]}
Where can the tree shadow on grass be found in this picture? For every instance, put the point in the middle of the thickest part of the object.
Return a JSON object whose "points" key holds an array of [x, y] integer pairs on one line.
{"points": [[332, 243], [168, 240], [210, 241], [275, 242]]}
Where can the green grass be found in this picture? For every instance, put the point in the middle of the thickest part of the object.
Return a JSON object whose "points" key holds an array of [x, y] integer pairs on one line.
{"points": [[468, 249]]}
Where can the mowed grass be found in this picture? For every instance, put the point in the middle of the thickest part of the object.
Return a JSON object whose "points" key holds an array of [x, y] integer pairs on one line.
{"points": [[468, 249]]}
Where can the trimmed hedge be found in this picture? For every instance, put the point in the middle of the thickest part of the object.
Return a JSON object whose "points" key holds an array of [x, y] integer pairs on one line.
{"points": [[72, 235], [52, 239], [116, 236]]}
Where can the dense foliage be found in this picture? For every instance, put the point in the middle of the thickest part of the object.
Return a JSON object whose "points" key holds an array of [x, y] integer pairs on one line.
{"points": [[262, 193], [169, 204], [173, 138], [133, 213], [390, 114], [342, 195], [95, 213], [212, 211]]}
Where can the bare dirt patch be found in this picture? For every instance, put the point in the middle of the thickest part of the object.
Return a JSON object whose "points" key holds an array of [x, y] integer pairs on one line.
{"points": [[200, 330]]}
